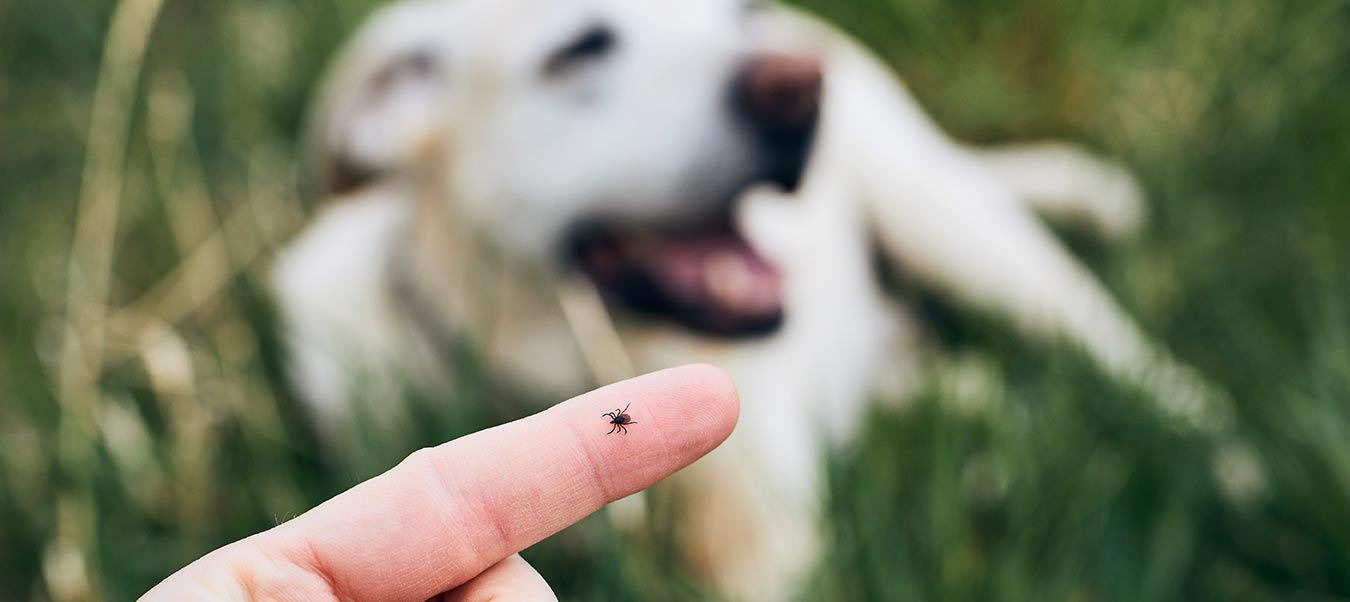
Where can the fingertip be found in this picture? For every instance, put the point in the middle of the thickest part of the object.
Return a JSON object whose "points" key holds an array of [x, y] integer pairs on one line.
{"points": [[715, 394], [699, 400], [678, 415]]}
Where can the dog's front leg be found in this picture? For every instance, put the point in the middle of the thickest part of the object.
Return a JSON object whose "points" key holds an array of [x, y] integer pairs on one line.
{"points": [[948, 220]]}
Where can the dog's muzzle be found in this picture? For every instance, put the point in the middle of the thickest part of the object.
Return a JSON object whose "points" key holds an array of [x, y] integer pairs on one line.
{"points": [[704, 275]]}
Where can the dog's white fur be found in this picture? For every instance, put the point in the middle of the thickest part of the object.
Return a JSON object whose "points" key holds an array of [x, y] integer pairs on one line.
{"points": [[473, 186]]}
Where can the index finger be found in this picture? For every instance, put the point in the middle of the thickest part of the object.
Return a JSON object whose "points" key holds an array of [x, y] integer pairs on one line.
{"points": [[447, 513]]}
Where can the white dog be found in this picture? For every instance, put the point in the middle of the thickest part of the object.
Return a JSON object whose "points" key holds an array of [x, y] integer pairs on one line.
{"points": [[584, 189]]}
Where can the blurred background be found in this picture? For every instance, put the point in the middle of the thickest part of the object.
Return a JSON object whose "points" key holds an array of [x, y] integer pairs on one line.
{"points": [[148, 176]]}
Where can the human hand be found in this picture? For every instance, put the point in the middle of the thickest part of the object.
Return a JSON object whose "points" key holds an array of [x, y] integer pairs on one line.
{"points": [[447, 523]]}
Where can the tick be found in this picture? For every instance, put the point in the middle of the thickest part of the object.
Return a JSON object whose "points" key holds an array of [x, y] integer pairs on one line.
{"points": [[620, 419]]}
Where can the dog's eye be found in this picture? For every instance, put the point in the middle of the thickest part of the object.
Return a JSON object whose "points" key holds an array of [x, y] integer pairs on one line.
{"points": [[417, 65], [750, 7], [593, 44]]}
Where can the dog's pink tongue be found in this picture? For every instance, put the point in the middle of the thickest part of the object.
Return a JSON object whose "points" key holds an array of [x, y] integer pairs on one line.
{"points": [[715, 271]]}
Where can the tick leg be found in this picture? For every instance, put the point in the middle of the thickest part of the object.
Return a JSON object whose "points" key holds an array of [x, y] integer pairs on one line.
{"points": [[625, 408], [611, 431]]}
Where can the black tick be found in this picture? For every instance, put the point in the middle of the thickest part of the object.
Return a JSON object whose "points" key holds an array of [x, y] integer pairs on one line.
{"points": [[620, 419]]}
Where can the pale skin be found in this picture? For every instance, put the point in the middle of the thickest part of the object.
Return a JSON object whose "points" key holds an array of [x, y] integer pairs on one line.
{"points": [[447, 523]]}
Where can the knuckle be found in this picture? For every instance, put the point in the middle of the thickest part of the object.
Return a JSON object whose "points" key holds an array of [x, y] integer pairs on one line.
{"points": [[255, 573]]}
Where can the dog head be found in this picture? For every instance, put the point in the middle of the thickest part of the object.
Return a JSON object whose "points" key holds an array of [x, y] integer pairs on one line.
{"points": [[610, 137]]}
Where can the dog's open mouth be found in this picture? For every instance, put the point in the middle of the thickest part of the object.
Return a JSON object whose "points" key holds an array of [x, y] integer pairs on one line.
{"points": [[705, 277], [702, 275]]}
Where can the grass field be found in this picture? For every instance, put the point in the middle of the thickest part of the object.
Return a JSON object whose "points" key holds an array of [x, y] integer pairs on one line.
{"points": [[143, 420]]}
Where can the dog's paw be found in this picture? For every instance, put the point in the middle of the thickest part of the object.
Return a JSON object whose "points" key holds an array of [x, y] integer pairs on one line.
{"points": [[1117, 207], [773, 222], [1067, 184]]}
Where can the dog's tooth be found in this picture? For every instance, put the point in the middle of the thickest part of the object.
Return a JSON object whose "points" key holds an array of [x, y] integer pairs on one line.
{"points": [[727, 277]]}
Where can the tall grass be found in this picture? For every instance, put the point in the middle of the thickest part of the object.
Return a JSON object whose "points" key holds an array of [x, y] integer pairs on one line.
{"points": [[144, 420]]}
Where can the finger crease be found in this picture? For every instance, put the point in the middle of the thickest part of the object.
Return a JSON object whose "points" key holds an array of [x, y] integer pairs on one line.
{"points": [[312, 560], [593, 464], [473, 510]]}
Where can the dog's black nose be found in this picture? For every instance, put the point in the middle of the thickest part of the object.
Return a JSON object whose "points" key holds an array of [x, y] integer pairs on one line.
{"points": [[780, 92]]}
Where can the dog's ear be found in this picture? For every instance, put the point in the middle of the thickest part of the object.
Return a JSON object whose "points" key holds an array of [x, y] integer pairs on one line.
{"points": [[381, 104]]}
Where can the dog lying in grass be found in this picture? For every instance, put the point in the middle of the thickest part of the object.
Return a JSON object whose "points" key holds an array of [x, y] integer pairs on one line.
{"points": [[587, 189]]}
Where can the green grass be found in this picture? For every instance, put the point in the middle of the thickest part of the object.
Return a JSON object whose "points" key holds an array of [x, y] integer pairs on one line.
{"points": [[1045, 483]]}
